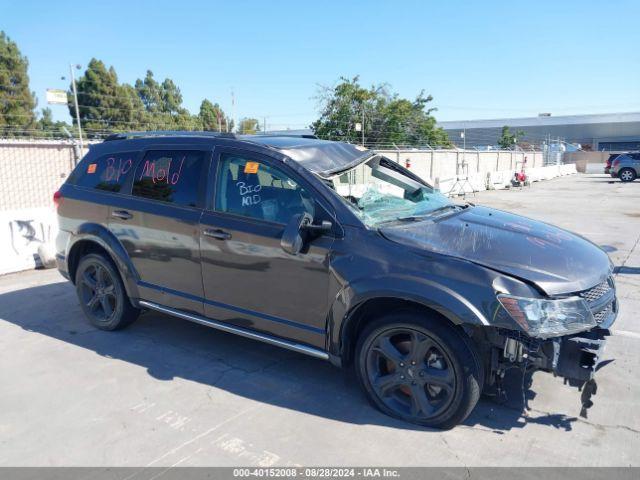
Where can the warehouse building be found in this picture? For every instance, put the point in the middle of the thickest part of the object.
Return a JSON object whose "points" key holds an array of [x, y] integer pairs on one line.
{"points": [[600, 132]]}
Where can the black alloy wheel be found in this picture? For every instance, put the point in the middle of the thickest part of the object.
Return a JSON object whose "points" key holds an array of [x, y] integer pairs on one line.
{"points": [[420, 370], [411, 373], [102, 295], [98, 292]]}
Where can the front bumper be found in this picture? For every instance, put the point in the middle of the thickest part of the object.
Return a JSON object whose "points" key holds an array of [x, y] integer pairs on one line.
{"points": [[576, 357]]}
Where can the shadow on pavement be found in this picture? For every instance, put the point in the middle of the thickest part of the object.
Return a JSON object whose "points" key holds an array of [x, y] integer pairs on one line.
{"points": [[627, 270], [168, 347]]}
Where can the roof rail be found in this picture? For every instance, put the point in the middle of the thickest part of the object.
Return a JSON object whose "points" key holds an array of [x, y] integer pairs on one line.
{"points": [[168, 133], [294, 135]]}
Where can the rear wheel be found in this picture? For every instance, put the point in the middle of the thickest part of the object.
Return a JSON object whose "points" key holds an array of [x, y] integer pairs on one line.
{"points": [[102, 296], [419, 369], [627, 175]]}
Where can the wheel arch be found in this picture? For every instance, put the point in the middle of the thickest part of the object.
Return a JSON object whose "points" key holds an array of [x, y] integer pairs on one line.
{"points": [[349, 318], [634, 172], [95, 238]]}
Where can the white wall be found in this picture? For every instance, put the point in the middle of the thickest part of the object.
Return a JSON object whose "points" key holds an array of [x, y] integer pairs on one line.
{"points": [[485, 170], [22, 233], [30, 172]]}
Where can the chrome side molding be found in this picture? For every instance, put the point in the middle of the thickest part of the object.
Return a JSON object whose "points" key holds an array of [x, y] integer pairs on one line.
{"points": [[296, 347]]}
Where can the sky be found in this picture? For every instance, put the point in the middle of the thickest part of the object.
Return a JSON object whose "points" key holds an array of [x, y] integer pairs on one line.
{"points": [[482, 59]]}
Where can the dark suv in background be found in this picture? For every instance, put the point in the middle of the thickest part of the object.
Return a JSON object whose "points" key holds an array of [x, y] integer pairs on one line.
{"points": [[607, 165], [334, 251]]}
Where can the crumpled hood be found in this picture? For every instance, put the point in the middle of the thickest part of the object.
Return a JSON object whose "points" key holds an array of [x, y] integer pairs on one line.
{"points": [[555, 260]]}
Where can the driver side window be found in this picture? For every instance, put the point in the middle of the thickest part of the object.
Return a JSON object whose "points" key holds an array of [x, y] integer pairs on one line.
{"points": [[254, 189]]}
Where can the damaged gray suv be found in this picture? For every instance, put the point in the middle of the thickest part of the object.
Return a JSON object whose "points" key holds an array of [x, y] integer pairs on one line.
{"points": [[337, 252]]}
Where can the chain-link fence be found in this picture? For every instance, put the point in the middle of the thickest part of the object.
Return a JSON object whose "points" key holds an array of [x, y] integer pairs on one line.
{"points": [[31, 171]]}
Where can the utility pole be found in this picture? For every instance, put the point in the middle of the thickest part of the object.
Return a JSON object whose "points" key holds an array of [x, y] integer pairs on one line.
{"points": [[264, 125], [233, 110], [75, 99], [363, 125]]}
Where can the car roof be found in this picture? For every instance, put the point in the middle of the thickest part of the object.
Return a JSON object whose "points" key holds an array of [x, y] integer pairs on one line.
{"points": [[323, 157]]}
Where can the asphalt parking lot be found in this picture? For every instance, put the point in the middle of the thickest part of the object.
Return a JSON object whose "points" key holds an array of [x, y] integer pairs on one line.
{"points": [[166, 392]]}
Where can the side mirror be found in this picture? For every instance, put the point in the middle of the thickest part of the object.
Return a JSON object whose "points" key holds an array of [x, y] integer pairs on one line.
{"points": [[291, 241], [324, 227], [293, 237]]}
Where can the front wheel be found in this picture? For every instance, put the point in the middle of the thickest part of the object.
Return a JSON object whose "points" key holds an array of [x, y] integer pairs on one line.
{"points": [[419, 369], [102, 296], [627, 175]]}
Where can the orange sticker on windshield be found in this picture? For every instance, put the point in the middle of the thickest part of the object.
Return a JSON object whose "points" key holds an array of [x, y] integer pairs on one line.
{"points": [[92, 168], [251, 167]]}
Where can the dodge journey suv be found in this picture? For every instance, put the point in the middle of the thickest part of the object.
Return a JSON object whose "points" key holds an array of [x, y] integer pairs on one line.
{"points": [[337, 252]]}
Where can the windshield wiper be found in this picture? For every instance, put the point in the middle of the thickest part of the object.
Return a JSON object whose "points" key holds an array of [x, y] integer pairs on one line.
{"points": [[417, 218], [445, 207], [434, 211]]}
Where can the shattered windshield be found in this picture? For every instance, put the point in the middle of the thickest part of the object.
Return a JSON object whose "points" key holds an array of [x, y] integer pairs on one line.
{"points": [[379, 193]]}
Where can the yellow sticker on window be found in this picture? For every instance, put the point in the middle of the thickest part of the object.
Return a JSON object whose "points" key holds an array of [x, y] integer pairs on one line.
{"points": [[251, 167], [92, 168]]}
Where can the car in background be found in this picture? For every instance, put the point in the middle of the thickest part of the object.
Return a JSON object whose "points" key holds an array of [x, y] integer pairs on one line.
{"points": [[626, 167], [607, 166]]}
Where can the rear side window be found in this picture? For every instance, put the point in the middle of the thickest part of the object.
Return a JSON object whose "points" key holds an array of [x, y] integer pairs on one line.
{"points": [[172, 176], [109, 172]]}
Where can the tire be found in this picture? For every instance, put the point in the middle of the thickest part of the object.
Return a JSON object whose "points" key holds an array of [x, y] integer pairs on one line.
{"points": [[627, 175], [101, 292], [442, 385]]}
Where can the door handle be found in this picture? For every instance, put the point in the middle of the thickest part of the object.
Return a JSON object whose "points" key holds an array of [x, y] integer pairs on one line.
{"points": [[121, 214], [217, 233]]}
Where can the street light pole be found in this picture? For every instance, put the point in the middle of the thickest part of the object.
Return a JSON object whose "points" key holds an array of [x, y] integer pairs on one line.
{"points": [[363, 125], [75, 99]]}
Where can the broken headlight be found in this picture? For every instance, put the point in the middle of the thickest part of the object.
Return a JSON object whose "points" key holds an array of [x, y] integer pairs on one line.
{"points": [[544, 318]]}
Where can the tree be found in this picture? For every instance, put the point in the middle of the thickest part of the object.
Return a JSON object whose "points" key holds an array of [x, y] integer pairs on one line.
{"points": [[411, 123], [212, 117], [344, 105], [163, 105], [508, 140], [105, 105], [248, 126], [17, 102], [136, 113], [150, 92], [385, 118], [47, 128], [171, 98]]}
